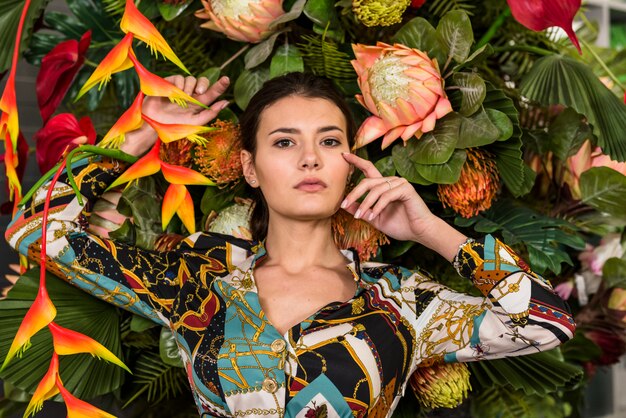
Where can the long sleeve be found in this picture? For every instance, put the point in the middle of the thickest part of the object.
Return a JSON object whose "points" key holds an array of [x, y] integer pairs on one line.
{"points": [[519, 313], [144, 282]]}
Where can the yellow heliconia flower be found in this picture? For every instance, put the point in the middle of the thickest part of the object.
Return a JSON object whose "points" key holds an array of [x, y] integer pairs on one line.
{"points": [[129, 121], [46, 389]]}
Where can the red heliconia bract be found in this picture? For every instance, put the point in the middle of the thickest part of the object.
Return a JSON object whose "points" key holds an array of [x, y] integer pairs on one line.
{"points": [[538, 15]]}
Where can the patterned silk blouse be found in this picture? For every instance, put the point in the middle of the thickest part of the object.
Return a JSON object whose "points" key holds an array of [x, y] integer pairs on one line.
{"points": [[351, 358]]}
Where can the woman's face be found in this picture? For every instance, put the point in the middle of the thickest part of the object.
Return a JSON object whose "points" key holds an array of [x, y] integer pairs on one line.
{"points": [[298, 163]]}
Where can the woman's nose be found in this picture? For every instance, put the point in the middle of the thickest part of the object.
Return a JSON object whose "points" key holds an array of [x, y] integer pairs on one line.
{"points": [[309, 159]]}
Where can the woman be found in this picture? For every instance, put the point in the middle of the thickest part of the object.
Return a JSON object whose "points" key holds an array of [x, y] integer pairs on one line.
{"points": [[289, 323]]}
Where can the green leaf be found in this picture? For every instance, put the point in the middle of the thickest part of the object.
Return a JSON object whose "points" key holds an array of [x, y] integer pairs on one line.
{"points": [[406, 167], [83, 375], [604, 189], [259, 53], [158, 380], [544, 237], [140, 324], [446, 173], [517, 177], [476, 57], [436, 147], [418, 33], [216, 199], [455, 29], [168, 349], [567, 133], [324, 58], [93, 16], [614, 272], [248, 83], [325, 17], [496, 99], [293, 14], [477, 130], [287, 59], [580, 349], [502, 122], [557, 79], [126, 85], [137, 201], [212, 73], [171, 11], [473, 91], [10, 12], [385, 166]]}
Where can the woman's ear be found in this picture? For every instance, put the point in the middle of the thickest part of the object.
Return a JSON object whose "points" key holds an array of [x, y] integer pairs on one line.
{"points": [[247, 163]]}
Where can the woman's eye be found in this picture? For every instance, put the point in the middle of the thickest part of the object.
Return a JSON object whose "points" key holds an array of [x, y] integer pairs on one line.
{"points": [[331, 142], [283, 143]]}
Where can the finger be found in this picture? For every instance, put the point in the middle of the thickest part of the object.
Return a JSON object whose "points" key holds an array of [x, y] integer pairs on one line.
{"points": [[207, 115], [190, 84], [214, 91], [177, 80], [372, 197], [366, 166], [202, 85], [384, 200], [360, 189]]}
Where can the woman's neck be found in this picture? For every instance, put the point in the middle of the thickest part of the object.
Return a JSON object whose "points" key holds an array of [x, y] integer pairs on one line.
{"points": [[298, 245]]}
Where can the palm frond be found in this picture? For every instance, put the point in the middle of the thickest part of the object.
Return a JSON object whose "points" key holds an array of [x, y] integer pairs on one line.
{"points": [[158, 380], [441, 7], [505, 403], [187, 41], [114, 7], [324, 58]]}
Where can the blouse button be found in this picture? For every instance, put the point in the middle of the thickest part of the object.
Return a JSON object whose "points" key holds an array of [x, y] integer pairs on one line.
{"points": [[270, 385], [278, 345]]}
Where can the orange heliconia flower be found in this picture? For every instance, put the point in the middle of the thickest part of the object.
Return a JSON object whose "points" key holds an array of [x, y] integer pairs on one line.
{"points": [[129, 121], [219, 159], [153, 85], [177, 200], [9, 121], [40, 314], [116, 60], [349, 232], [46, 389], [476, 188], [77, 408], [67, 342], [170, 132], [137, 24]]}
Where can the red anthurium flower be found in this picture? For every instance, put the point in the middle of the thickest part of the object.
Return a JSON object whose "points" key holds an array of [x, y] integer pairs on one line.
{"points": [[129, 121], [46, 389], [115, 61], [68, 342], [538, 15], [77, 408], [153, 85], [137, 24], [62, 132], [416, 4], [58, 69], [40, 314], [170, 132], [14, 172]]}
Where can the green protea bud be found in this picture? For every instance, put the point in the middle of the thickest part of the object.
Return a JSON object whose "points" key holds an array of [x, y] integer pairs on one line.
{"points": [[441, 385], [379, 12]]}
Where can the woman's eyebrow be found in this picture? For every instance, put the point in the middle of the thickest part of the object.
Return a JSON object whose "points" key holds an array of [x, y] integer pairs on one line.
{"points": [[297, 131]]}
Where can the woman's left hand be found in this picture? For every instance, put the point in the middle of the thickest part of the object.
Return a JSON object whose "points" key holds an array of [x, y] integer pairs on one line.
{"points": [[391, 204]]}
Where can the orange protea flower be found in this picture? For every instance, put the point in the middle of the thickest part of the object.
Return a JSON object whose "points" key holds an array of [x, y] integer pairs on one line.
{"points": [[40, 314], [476, 188], [46, 389], [402, 87], [220, 160], [177, 152], [358, 234], [241, 20], [137, 24], [442, 385]]}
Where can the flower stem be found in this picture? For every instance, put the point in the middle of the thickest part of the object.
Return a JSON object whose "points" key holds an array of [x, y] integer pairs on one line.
{"points": [[491, 32], [234, 57], [610, 73], [525, 48], [44, 227]]}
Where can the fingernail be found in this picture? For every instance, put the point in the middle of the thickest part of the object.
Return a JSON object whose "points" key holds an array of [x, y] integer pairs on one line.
{"points": [[225, 79], [344, 204], [357, 214], [200, 90], [223, 105], [371, 216]]}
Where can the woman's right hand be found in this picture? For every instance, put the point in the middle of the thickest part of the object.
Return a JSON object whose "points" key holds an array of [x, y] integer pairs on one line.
{"points": [[162, 110]]}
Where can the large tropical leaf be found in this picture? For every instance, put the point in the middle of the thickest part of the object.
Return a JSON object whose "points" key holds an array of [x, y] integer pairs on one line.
{"points": [[605, 189], [545, 237], [536, 374], [157, 380], [504, 403], [517, 177], [441, 7], [10, 12], [557, 79], [85, 376], [324, 58]]}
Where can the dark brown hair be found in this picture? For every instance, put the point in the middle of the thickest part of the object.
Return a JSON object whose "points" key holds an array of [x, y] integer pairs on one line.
{"points": [[291, 84]]}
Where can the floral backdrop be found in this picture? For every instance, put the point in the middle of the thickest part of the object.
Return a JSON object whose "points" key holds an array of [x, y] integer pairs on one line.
{"points": [[505, 120]]}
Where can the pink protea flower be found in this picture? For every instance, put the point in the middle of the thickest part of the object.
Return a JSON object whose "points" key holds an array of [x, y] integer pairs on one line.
{"points": [[241, 20], [402, 87]]}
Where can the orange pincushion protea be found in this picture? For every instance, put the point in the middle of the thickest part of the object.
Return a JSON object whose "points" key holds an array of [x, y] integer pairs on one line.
{"points": [[358, 234], [241, 20], [403, 89], [220, 160], [177, 152], [476, 188]]}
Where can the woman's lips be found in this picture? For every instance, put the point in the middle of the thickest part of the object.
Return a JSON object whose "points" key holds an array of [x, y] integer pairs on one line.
{"points": [[311, 185]]}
